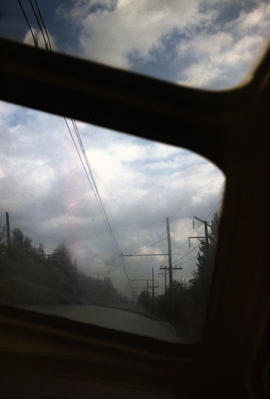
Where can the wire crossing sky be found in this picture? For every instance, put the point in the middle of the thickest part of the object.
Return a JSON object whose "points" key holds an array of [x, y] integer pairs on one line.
{"points": [[136, 183], [203, 43], [85, 163]]}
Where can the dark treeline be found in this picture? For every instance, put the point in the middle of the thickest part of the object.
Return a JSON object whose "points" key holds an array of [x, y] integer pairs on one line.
{"points": [[185, 304], [30, 277]]}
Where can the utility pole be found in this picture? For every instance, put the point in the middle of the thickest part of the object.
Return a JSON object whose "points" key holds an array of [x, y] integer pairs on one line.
{"points": [[166, 268], [153, 290], [153, 284], [206, 235], [8, 230], [165, 278], [169, 253]]}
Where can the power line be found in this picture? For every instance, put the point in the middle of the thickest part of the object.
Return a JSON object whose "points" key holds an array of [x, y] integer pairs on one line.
{"points": [[187, 253], [91, 180], [188, 260], [40, 27], [78, 153], [186, 274], [103, 210], [157, 242], [28, 23], [87, 168], [42, 21], [212, 211], [151, 245], [198, 227], [206, 225], [94, 185], [82, 163]]}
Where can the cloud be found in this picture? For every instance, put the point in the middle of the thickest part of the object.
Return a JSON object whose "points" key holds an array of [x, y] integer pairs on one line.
{"points": [[28, 39], [258, 18], [44, 188], [203, 43], [111, 32], [225, 57]]}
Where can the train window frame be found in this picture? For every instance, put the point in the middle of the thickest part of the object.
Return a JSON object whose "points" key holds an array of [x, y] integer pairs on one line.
{"points": [[216, 125]]}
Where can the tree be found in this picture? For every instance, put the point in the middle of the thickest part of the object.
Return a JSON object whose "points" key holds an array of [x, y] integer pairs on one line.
{"points": [[19, 240], [145, 300], [40, 251], [61, 256], [61, 260], [2, 238]]}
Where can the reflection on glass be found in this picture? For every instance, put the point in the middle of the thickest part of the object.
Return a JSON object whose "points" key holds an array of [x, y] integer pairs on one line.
{"points": [[201, 43], [105, 228]]}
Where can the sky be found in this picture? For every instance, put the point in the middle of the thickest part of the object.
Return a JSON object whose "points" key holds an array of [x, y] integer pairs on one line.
{"points": [[202, 43], [141, 183]]}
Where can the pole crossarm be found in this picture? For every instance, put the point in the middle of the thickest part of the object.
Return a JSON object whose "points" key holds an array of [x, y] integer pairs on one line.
{"points": [[197, 237], [202, 221], [173, 268]]}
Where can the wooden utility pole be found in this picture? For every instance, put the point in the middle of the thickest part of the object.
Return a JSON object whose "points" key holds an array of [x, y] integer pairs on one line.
{"points": [[153, 284], [166, 268], [165, 278], [206, 235], [169, 253], [8, 230]]}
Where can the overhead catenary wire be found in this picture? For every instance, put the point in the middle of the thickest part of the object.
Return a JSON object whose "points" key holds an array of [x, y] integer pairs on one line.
{"points": [[78, 153], [28, 23], [187, 260], [39, 24], [96, 190], [85, 164], [42, 22], [187, 253], [157, 242], [212, 210], [188, 273], [92, 185], [90, 179]]}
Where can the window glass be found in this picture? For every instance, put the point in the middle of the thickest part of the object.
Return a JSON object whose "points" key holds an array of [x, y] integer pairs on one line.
{"points": [[200, 43], [105, 228]]}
